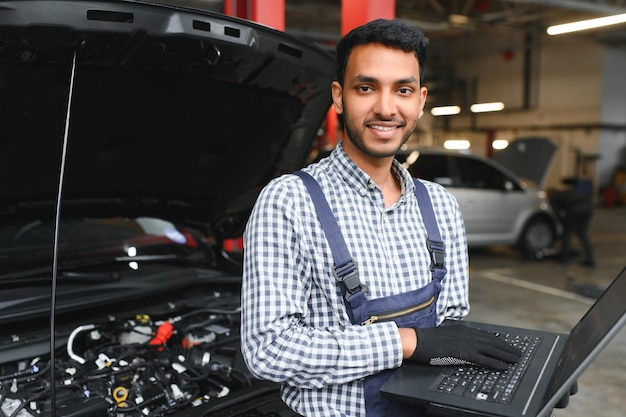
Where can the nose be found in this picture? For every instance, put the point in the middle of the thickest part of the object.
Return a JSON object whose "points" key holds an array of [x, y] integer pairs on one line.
{"points": [[385, 105]]}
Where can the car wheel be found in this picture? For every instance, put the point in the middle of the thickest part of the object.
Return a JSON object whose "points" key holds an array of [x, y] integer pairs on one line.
{"points": [[537, 236]]}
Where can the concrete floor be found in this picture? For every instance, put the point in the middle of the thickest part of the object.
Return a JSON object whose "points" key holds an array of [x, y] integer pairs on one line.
{"points": [[546, 295]]}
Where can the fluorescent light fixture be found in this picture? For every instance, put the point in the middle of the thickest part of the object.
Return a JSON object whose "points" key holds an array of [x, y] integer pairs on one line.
{"points": [[445, 110], [486, 107], [500, 144], [412, 157], [586, 24], [456, 144]]}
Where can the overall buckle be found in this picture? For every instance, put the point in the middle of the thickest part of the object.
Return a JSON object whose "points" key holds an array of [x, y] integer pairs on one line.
{"points": [[437, 254], [348, 275]]}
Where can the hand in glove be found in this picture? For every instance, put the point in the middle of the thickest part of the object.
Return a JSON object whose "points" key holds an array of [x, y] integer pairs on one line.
{"points": [[455, 344]]}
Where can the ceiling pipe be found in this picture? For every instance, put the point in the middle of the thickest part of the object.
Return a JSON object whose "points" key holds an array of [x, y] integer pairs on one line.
{"points": [[578, 5], [527, 71]]}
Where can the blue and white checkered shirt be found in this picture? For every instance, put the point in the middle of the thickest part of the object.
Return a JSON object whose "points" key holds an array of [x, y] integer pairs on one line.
{"points": [[295, 329]]}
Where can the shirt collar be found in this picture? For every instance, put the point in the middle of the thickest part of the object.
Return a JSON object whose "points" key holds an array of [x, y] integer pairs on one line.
{"points": [[357, 179]]}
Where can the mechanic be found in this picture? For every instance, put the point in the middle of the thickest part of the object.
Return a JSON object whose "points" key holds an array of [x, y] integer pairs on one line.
{"points": [[300, 324], [575, 210]]}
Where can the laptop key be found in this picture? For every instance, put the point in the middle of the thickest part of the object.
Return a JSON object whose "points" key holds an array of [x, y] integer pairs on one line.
{"points": [[482, 396], [460, 388], [494, 396], [505, 398], [471, 391]]}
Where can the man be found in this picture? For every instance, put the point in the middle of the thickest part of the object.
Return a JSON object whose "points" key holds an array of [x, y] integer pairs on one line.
{"points": [[298, 327], [575, 210]]}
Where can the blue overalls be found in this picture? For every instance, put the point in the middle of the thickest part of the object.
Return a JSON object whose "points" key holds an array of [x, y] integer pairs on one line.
{"points": [[415, 308]]}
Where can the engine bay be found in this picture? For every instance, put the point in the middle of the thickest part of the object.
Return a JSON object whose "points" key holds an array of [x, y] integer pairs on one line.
{"points": [[138, 364]]}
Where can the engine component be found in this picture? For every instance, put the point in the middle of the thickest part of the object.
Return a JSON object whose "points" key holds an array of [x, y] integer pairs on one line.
{"points": [[132, 367]]}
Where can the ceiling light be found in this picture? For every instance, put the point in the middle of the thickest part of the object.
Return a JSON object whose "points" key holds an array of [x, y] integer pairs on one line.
{"points": [[500, 144], [486, 107], [412, 157], [586, 24], [460, 21], [456, 144], [445, 110]]}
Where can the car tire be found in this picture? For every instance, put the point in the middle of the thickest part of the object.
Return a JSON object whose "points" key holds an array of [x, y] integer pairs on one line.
{"points": [[537, 236]]}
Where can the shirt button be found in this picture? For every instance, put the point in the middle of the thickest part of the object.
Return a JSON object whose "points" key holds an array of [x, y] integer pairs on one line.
{"points": [[363, 191]]}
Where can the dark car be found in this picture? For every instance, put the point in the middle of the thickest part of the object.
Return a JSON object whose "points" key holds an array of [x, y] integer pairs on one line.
{"points": [[498, 207], [134, 139]]}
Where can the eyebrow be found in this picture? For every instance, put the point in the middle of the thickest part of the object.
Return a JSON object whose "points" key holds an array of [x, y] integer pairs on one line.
{"points": [[369, 79]]}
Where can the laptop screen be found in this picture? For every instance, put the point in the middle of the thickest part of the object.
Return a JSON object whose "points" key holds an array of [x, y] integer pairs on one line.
{"points": [[597, 327]]}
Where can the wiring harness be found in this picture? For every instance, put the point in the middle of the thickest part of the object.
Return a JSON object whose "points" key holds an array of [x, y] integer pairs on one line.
{"points": [[131, 367]]}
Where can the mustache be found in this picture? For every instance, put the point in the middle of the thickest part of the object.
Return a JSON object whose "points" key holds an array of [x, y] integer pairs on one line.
{"points": [[372, 120]]}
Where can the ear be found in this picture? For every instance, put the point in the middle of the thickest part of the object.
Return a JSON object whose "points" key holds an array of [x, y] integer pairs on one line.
{"points": [[337, 92], [423, 94]]}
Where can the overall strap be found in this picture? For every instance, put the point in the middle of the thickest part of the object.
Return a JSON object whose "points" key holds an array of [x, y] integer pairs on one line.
{"points": [[345, 269], [434, 243]]}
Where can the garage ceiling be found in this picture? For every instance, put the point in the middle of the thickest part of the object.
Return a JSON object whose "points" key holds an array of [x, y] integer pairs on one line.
{"points": [[320, 20], [471, 22], [445, 21]]}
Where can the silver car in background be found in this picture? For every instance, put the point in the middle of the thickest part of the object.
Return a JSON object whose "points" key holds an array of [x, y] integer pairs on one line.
{"points": [[498, 207]]}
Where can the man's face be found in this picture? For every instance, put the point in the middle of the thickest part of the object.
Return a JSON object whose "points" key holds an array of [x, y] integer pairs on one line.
{"points": [[381, 99]]}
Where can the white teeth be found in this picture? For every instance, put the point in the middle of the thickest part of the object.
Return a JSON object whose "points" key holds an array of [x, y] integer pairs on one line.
{"points": [[383, 128]]}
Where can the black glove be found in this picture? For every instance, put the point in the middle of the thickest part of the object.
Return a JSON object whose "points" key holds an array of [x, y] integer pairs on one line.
{"points": [[456, 344]]}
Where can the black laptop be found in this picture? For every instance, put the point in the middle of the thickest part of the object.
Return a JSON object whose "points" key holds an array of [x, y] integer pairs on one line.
{"points": [[550, 366]]}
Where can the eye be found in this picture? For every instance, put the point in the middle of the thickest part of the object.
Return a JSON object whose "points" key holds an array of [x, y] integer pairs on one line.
{"points": [[404, 90], [364, 88]]}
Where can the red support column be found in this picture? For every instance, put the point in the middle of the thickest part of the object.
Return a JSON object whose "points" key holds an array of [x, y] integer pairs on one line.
{"points": [[491, 136], [357, 12], [332, 121], [267, 12], [236, 8]]}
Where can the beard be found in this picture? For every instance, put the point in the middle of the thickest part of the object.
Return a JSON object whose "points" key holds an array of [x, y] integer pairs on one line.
{"points": [[355, 136]]}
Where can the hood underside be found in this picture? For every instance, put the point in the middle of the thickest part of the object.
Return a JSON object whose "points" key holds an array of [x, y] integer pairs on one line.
{"points": [[529, 158], [142, 108]]}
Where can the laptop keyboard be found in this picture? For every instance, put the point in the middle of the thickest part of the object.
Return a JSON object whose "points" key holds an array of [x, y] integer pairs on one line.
{"points": [[488, 384]]}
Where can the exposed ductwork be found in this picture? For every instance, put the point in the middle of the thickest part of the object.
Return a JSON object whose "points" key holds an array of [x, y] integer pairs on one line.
{"points": [[591, 6]]}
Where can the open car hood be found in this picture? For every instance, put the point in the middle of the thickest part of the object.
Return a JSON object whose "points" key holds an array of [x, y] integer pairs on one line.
{"points": [[144, 108], [154, 127], [529, 158]]}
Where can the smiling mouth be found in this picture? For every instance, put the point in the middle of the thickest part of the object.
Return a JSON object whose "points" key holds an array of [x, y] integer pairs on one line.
{"points": [[383, 128], [385, 125]]}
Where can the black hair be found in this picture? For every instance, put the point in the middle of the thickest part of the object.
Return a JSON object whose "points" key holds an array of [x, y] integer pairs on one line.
{"points": [[391, 33]]}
